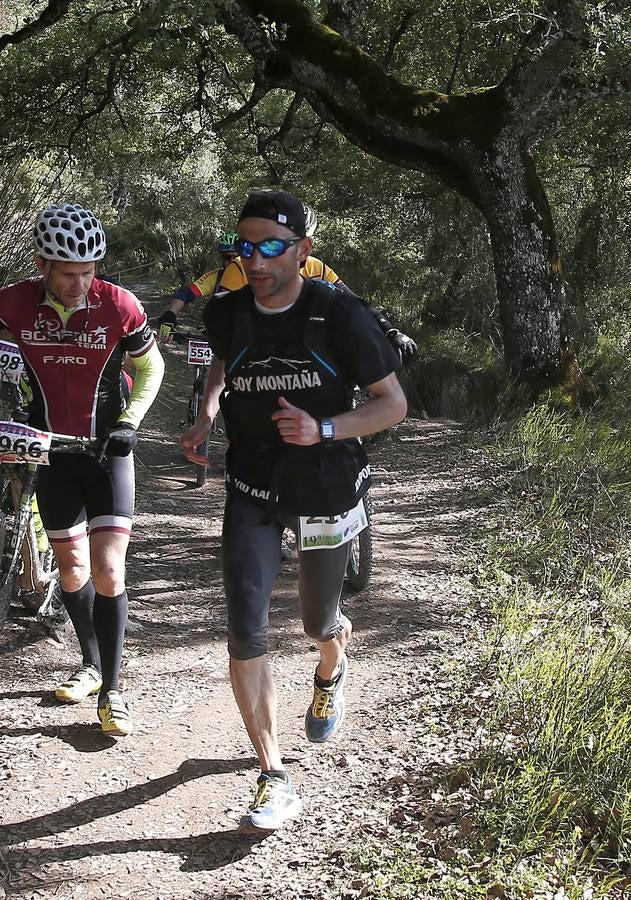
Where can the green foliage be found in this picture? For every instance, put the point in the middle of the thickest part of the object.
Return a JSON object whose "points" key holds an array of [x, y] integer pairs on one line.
{"points": [[548, 801], [457, 375], [171, 223], [559, 763]]}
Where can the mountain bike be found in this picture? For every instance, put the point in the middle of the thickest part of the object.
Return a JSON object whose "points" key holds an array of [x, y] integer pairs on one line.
{"points": [[199, 356], [22, 450]]}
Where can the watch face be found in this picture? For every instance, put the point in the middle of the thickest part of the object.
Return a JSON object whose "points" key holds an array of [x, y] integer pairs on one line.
{"points": [[327, 430]]}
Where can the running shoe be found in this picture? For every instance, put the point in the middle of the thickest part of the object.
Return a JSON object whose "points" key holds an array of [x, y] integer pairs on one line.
{"points": [[326, 713], [114, 715], [85, 681], [275, 802], [286, 547]]}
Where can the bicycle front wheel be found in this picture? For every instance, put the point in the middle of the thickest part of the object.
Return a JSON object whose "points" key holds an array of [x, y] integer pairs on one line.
{"points": [[359, 565], [7, 591], [194, 407]]}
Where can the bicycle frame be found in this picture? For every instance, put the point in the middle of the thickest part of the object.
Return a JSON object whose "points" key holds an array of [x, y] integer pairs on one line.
{"points": [[20, 479], [23, 512], [199, 350]]}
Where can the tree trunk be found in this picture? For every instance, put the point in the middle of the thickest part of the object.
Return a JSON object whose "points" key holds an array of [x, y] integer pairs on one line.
{"points": [[530, 288]]}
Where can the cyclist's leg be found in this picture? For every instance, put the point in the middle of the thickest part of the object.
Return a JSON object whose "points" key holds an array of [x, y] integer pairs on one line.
{"points": [[61, 508], [110, 508], [251, 559]]}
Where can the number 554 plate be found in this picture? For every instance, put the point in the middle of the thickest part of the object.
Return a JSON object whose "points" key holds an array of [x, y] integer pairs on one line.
{"points": [[20, 443], [199, 353]]}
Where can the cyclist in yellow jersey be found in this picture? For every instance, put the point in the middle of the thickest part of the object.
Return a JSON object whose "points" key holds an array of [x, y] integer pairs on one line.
{"points": [[204, 286]]}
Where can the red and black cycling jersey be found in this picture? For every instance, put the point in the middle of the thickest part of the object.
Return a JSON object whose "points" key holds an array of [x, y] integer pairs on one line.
{"points": [[74, 368]]}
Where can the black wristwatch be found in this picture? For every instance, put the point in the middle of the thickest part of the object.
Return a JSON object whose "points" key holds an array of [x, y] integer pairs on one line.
{"points": [[327, 431]]}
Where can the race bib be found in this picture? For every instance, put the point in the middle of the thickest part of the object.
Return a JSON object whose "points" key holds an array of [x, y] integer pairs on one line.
{"points": [[20, 443], [327, 532], [199, 353], [11, 364]]}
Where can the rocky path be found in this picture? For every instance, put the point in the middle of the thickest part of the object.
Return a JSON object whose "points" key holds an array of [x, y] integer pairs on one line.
{"points": [[155, 815]]}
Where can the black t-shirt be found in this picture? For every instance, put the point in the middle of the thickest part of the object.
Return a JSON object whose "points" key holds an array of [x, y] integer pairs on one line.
{"points": [[361, 355], [356, 340]]}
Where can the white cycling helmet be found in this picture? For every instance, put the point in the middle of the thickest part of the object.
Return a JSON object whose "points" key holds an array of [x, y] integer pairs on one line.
{"points": [[69, 233], [311, 220]]}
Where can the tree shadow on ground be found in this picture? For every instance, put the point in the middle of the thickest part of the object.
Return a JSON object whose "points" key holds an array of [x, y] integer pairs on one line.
{"points": [[116, 801], [202, 852]]}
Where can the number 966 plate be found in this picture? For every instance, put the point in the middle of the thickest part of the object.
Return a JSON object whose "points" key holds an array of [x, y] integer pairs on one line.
{"points": [[20, 443]]}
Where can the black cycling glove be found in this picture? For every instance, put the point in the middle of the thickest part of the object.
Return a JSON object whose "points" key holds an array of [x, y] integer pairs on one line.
{"points": [[168, 317], [403, 343], [120, 440]]}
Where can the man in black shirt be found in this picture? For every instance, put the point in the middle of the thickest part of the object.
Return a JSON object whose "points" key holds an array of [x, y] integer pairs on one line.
{"points": [[284, 358]]}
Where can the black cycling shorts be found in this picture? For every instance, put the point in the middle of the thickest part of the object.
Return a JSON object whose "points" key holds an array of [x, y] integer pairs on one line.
{"points": [[251, 560], [76, 490]]}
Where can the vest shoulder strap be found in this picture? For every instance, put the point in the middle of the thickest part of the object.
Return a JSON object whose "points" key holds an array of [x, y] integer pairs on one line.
{"points": [[316, 334], [243, 333], [322, 294]]}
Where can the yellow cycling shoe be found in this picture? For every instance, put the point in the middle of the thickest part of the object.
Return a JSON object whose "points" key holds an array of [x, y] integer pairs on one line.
{"points": [[114, 715], [85, 681]]}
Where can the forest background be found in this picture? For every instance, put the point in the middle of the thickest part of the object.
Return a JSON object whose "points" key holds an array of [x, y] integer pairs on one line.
{"points": [[471, 168]]}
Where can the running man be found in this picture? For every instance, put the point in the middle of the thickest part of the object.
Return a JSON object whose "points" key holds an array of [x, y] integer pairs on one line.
{"points": [[286, 349], [73, 331]]}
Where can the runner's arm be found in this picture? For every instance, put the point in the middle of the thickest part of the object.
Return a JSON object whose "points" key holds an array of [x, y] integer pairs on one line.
{"points": [[147, 380], [387, 406]]}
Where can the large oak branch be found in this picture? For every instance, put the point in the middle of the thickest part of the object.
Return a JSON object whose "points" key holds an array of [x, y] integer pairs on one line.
{"points": [[52, 13]]}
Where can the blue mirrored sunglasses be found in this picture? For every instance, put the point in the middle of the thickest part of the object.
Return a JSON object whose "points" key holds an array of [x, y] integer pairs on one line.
{"points": [[269, 248]]}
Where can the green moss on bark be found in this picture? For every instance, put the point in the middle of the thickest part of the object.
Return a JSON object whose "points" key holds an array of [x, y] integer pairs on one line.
{"points": [[475, 115]]}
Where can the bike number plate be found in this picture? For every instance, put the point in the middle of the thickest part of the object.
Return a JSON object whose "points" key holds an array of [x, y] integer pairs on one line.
{"points": [[199, 353], [11, 364], [328, 532], [20, 443]]}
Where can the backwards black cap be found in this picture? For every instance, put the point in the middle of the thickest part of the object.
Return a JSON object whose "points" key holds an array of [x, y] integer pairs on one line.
{"points": [[279, 206]]}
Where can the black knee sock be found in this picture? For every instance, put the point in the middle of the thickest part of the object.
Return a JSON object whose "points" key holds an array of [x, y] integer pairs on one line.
{"points": [[110, 618], [80, 609]]}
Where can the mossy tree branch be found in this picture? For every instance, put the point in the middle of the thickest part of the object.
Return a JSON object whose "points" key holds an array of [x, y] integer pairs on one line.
{"points": [[51, 13]]}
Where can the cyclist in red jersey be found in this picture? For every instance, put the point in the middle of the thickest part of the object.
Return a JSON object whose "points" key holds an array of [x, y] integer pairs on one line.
{"points": [[73, 331]]}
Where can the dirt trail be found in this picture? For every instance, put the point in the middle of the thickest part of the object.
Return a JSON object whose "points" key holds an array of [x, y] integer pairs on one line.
{"points": [[154, 815]]}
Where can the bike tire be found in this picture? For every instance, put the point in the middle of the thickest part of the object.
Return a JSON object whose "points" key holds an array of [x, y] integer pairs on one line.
{"points": [[359, 565], [200, 471], [7, 592]]}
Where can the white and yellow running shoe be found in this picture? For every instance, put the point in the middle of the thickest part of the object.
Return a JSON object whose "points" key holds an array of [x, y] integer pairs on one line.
{"points": [[85, 681]]}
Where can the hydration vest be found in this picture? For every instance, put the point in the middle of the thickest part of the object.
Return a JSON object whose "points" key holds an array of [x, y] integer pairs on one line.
{"points": [[316, 480]]}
